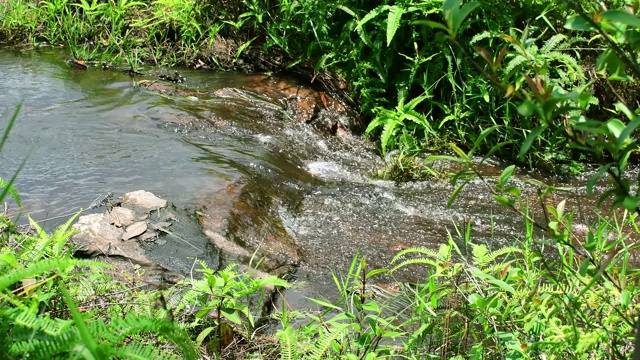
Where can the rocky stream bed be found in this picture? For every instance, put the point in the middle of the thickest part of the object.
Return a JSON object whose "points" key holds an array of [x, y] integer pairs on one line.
{"points": [[241, 167]]}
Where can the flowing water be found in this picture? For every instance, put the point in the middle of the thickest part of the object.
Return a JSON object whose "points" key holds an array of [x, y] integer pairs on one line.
{"points": [[278, 185]]}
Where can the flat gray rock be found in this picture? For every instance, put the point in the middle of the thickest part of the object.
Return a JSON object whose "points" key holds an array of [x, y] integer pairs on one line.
{"points": [[142, 201]]}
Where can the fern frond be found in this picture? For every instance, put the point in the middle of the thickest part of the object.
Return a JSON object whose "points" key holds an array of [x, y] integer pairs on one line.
{"points": [[553, 43], [39, 346], [393, 22], [416, 251], [415, 261], [480, 36], [61, 235], [39, 268], [389, 129], [119, 329], [514, 63], [141, 352], [287, 339], [484, 257], [326, 338]]}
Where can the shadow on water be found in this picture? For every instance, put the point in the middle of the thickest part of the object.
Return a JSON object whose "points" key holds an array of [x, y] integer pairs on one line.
{"points": [[279, 188]]}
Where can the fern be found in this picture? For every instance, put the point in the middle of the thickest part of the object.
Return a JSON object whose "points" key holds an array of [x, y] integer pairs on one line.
{"points": [[393, 22], [482, 256], [480, 36], [323, 344], [553, 43], [416, 250], [142, 352], [287, 340], [39, 268], [515, 62], [42, 337]]}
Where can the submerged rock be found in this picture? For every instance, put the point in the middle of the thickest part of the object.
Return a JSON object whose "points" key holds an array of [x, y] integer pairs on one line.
{"points": [[303, 102], [242, 220]]}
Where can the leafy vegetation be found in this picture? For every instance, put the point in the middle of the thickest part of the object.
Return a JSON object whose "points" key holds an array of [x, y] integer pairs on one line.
{"points": [[490, 79]]}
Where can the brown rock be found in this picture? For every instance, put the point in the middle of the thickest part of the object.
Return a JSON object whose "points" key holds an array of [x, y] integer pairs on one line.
{"points": [[134, 230]]}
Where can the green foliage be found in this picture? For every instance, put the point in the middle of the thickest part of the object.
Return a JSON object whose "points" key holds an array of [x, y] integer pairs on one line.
{"points": [[404, 168], [362, 324], [517, 302], [227, 295]]}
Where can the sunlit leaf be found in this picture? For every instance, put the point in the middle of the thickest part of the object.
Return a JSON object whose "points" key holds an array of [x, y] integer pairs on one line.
{"points": [[506, 175], [621, 16]]}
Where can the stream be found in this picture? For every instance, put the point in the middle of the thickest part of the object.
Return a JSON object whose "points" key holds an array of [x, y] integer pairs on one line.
{"points": [[296, 192]]}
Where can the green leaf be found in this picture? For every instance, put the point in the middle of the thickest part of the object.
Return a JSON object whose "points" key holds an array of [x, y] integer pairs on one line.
{"points": [[456, 192], [578, 23], [203, 334], [486, 132], [459, 16], [433, 24], [621, 16], [492, 280], [459, 151], [625, 298], [506, 175], [513, 191], [477, 300], [504, 201], [393, 22], [376, 272], [231, 315], [624, 135], [242, 47], [615, 127], [325, 304], [631, 203], [624, 109], [444, 158], [529, 140], [371, 306], [584, 267], [450, 5], [527, 108]]}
